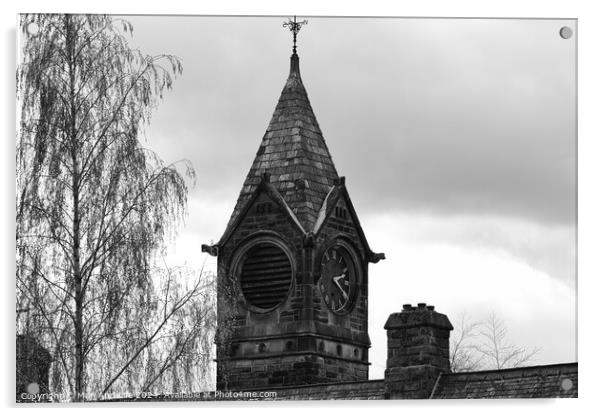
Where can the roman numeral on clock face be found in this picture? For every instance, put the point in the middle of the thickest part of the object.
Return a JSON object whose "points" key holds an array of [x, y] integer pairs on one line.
{"points": [[336, 278]]}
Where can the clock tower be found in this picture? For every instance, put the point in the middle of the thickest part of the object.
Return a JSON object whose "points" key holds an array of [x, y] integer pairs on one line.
{"points": [[292, 262]]}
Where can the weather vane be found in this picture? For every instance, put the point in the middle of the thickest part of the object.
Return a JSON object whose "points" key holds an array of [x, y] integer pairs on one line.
{"points": [[294, 27]]}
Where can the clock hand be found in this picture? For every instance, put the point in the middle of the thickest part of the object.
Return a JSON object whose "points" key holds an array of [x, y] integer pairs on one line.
{"points": [[336, 279]]}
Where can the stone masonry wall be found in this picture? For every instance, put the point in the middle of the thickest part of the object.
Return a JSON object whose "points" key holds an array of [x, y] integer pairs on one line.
{"points": [[291, 370], [417, 351], [297, 342]]}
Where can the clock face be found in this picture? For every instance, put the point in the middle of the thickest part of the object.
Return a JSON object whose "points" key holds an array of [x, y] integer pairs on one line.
{"points": [[337, 279]]}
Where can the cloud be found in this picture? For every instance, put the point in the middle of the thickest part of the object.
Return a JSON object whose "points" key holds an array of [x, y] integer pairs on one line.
{"points": [[456, 117], [550, 250], [458, 278], [452, 116]]}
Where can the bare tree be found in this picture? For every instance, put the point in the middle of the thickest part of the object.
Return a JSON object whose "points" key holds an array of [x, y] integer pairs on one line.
{"points": [[462, 355], [173, 350], [93, 205], [485, 345], [228, 320], [497, 351]]}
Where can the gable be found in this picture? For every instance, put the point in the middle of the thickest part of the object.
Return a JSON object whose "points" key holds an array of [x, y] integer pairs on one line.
{"points": [[260, 208], [337, 211]]}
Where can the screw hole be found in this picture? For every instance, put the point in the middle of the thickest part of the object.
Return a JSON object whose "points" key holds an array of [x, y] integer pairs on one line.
{"points": [[566, 32]]}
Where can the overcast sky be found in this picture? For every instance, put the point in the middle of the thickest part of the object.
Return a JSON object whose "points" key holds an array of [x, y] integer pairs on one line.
{"points": [[457, 138]]}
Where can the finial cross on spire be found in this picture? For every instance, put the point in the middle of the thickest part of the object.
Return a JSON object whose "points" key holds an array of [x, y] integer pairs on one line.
{"points": [[294, 27]]}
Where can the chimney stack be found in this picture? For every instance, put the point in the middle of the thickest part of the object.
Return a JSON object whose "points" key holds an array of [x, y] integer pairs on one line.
{"points": [[417, 351]]}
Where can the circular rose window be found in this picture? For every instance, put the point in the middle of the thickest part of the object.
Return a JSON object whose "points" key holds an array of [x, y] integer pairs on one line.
{"points": [[265, 275]]}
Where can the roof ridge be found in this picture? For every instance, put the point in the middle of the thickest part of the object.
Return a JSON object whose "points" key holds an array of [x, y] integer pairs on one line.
{"points": [[507, 370]]}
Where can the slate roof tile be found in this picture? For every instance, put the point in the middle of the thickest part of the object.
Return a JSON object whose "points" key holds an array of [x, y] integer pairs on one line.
{"points": [[557, 380], [292, 148]]}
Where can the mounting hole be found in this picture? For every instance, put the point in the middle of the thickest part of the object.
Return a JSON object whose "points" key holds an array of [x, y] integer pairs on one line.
{"points": [[566, 32], [33, 28], [566, 384], [33, 388], [339, 350], [261, 347]]}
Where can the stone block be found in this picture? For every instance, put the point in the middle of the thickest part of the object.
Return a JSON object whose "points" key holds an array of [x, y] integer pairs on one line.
{"points": [[417, 351]]}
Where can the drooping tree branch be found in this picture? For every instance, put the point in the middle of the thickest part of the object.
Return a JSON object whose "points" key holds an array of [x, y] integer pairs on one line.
{"points": [[93, 205]]}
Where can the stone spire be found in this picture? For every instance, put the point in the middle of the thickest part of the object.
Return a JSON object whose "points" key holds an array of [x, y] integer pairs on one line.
{"points": [[294, 154]]}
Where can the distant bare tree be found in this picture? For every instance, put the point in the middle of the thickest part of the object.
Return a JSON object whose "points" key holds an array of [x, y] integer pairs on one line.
{"points": [[484, 345], [462, 355], [496, 349]]}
